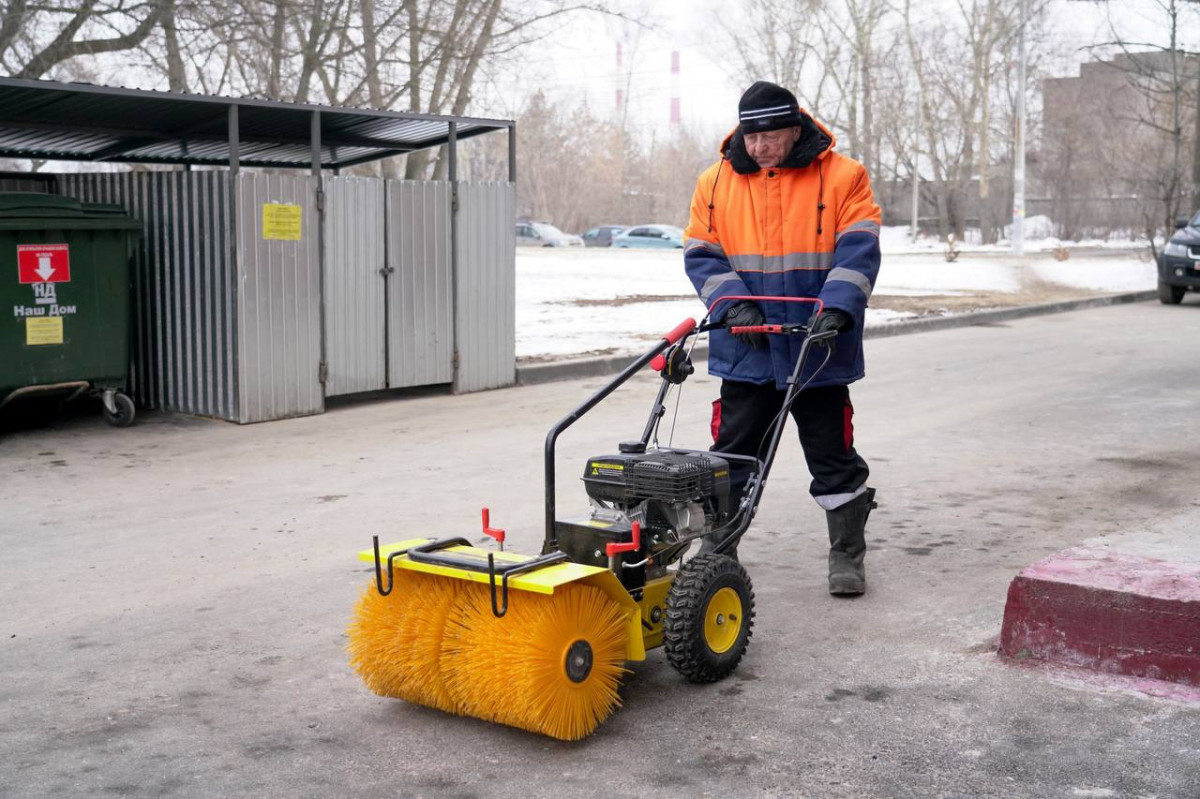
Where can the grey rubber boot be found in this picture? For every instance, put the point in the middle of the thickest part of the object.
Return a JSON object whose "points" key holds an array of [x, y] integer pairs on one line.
{"points": [[848, 545]]}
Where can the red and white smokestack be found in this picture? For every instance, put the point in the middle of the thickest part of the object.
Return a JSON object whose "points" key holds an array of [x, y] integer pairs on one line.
{"points": [[674, 87], [620, 82]]}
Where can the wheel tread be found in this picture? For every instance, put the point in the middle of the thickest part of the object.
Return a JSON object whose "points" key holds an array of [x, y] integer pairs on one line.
{"points": [[683, 628]]}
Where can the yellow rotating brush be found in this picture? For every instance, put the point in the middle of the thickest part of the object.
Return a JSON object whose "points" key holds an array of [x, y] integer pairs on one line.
{"points": [[552, 664], [396, 640]]}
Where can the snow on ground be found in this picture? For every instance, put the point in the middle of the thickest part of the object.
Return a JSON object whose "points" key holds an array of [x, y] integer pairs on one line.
{"points": [[573, 302], [1107, 274], [1038, 233]]}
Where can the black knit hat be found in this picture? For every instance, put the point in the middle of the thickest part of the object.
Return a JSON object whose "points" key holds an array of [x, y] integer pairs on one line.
{"points": [[766, 106]]}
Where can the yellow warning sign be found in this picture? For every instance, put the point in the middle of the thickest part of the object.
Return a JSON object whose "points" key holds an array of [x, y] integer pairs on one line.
{"points": [[43, 330], [281, 222]]}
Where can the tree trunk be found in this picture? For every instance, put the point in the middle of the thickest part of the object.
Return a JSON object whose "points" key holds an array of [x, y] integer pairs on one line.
{"points": [[415, 163], [278, 30], [387, 167], [176, 72]]}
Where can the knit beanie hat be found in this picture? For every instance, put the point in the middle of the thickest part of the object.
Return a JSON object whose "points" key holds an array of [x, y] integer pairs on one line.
{"points": [[766, 106]]}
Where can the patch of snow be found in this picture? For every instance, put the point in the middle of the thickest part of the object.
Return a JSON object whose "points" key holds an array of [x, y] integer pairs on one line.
{"points": [[572, 301], [1101, 274]]}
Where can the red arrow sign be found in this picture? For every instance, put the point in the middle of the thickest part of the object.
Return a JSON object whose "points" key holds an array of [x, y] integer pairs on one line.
{"points": [[44, 263]]}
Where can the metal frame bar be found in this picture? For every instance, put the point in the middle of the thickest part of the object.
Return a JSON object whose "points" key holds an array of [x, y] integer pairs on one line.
{"points": [[315, 144], [175, 97], [452, 140], [254, 162], [234, 141], [512, 153]]}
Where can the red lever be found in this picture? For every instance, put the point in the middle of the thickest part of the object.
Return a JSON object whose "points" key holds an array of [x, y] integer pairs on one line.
{"points": [[613, 548], [658, 363], [491, 531]]}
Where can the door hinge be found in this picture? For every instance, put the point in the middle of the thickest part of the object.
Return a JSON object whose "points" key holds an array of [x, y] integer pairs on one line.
{"points": [[454, 201], [322, 372], [321, 200], [454, 361]]}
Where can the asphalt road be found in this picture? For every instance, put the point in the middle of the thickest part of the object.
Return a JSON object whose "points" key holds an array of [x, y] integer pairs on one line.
{"points": [[175, 594]]}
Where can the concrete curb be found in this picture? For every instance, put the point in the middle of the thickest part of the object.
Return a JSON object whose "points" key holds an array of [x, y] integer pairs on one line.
{"points": [[1108, 612], [574, 368]]}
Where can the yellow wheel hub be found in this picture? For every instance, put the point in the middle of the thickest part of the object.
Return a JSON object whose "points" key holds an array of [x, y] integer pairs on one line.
{"points": [[723, 620]]}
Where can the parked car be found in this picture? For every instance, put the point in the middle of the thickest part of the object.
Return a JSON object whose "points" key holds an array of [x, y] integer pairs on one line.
{"points": [[656, 236], [1179, 262], [543, 234], [601, 235]]}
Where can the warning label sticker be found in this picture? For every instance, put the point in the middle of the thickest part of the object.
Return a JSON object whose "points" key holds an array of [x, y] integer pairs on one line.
{"points": [[43, 330], [43, 263], [282, 222]]}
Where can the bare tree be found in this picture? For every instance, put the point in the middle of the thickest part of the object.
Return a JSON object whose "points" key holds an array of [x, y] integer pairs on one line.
{"points": [[37, 37], [772, 40]]}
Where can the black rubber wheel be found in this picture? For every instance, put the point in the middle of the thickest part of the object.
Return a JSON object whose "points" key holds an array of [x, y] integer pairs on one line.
{"points": [[125, 411], [710, 615], [1170, 295]]}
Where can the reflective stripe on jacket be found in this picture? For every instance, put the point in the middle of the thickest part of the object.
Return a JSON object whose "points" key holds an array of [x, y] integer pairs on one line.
{"points": [[808, 228]]}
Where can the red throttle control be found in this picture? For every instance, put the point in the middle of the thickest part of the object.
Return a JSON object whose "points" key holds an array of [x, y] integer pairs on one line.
{"points": [[613, 549], [742, 329], [491, 531]]}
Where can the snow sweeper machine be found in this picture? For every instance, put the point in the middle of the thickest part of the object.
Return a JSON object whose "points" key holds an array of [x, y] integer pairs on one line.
{"points": [[540, 642]]}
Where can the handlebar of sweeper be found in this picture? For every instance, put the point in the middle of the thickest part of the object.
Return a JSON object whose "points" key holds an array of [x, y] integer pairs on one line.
{"points": [[820, 306]]}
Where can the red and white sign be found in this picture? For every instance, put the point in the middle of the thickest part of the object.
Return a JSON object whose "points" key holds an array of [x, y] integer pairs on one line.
{"points": [[44, 263]]}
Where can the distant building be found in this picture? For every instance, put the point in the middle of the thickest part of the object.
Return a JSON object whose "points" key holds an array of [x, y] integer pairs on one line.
{"points": [[1106, 153]]}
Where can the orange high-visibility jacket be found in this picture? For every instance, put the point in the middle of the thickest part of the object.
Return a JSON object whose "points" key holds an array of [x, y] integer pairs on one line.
{"points": [[808, 228]]}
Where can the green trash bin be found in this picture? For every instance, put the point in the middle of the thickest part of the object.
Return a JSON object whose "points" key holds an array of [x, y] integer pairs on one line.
{"points": [[65, 291]]}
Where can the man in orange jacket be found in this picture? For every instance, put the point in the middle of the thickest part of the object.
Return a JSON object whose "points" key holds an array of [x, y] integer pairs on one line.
{"points": [[782, 214]]}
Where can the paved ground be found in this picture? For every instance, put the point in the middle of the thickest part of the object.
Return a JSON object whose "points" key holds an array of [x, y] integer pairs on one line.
{"points": [[175, 594]]}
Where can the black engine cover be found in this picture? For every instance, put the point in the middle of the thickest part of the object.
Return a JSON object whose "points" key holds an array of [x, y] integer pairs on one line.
{"points": [[629, 478]]}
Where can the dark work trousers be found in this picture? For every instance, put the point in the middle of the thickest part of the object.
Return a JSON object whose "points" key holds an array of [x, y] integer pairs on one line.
{"points": [[824, 417]]}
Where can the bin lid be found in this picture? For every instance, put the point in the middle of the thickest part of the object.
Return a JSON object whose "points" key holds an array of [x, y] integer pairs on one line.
{"points": [[36, 210], [32, 203]]}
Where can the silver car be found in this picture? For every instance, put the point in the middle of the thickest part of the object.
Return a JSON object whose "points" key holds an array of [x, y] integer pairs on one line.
{"points": [[543, 234]]}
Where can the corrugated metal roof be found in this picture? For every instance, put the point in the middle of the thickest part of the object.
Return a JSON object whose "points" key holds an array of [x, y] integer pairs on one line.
{"points": [[82, 122]]}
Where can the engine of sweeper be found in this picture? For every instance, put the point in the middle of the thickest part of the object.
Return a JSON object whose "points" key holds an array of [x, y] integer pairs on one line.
{"points": [[675, 496]]}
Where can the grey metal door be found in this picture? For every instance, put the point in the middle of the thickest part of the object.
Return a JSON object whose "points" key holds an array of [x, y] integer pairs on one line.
{"points": [[355, 285], [420, 311]]}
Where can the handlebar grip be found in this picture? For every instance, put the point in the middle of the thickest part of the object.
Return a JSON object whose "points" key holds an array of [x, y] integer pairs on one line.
{"points": [[680, 330]]}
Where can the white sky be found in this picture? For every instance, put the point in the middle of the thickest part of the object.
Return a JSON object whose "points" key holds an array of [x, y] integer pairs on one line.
{"points": [[578, 61]]}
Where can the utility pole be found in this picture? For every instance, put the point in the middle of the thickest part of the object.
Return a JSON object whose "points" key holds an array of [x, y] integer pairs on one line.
{"points": [[1018, 222], [916, 172]]}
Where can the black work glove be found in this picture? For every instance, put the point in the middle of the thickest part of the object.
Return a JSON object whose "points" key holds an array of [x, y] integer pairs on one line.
{"points": [[747, 314], [832, 319]]}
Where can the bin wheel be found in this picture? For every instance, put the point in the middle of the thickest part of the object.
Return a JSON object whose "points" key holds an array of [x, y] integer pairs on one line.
{"points": [[710, 613], [125, 411]]}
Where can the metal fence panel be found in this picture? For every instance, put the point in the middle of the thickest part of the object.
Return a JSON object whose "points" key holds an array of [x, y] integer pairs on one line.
{"points": [[420, 332], [354, 285], [184, 293], [486, 294], [279, 328]]}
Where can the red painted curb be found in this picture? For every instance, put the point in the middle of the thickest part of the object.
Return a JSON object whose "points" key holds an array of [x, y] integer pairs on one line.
{"points": [[1109, 612]]}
